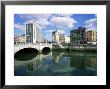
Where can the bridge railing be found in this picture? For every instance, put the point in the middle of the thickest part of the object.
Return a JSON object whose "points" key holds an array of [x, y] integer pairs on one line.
{"points": [[30, 44]]}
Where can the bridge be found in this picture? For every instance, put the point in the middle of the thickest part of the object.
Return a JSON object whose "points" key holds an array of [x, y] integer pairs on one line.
{"points": [[37, 46]]}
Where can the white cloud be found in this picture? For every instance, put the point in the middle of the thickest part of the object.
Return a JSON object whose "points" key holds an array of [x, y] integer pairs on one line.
{"points": [[42, 22], [58, 20], [50, 31], [91, 21], [46, 16], [61, 31], [34, 16], [19, 26], [40, 19], [91, 24], [63, 21], [64, 15]]}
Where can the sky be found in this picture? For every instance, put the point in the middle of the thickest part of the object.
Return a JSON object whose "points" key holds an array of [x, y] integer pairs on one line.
{"points": [[48, 23]]}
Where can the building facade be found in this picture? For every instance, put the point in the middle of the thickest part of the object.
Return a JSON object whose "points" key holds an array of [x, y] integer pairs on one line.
{"points": [[39, 37], [22, 39], [78, 36], [61, 38], [58, 37], [55, 36], [33, 33], [16, 40], [91, 36]]}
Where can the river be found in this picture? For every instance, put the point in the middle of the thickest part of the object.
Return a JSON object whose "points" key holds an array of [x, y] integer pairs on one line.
{"points": [[56, 63]]}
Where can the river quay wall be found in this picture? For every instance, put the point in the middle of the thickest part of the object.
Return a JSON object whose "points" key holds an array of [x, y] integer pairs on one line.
{"points": [[77, 48]]}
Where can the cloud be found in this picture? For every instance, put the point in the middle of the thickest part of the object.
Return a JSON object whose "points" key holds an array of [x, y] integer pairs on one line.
{"points": [[64, 15], [34, 16], [42, 22], [55, 20], [58, 30], [19, 26], [63, 22], [50, 31], [91, 24], [29, 21], [61, 31], [58, 20], [40, 19]]}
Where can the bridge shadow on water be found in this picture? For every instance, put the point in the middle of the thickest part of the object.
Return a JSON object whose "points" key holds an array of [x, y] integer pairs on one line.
{"points": [[26, 54]]}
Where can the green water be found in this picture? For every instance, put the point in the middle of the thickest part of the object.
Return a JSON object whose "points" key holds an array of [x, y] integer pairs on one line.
{"points": [[57, 63]]}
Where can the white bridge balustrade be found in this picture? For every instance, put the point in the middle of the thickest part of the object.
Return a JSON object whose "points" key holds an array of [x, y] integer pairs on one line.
{"points": [[37, 46]]}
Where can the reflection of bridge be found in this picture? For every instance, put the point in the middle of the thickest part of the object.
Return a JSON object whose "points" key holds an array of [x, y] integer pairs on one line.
{"points": [[33, 64], [38, 46]]}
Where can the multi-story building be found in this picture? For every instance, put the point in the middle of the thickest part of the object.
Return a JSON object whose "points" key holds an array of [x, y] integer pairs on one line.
{"points": [[16, 39], [58, 37], [61, 38], [33, 32], [55, 36], [91, 36], [78, 35], [22, 39]]}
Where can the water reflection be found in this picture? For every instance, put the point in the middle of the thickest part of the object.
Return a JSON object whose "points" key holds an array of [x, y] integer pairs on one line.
{"points": [[58, 64]]}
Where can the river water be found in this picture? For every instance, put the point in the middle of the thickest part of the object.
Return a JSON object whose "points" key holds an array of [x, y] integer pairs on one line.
{"points": [[56, 63]]}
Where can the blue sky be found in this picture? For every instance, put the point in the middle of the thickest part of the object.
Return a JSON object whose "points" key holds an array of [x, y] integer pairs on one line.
{"points": [[51, 22]]}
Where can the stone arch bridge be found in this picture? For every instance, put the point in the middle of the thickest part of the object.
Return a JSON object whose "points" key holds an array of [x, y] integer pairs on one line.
{"points": [[37, 46]]}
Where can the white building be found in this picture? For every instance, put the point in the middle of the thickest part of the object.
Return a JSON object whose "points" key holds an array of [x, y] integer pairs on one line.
{"points": [[33, 32], [22, 38], [55, 36], [67, 39], [58, 37]]}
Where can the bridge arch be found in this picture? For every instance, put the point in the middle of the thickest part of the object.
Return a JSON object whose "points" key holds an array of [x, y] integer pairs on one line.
{"points": [[26, 54], [46, 50], [17, 49]]}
